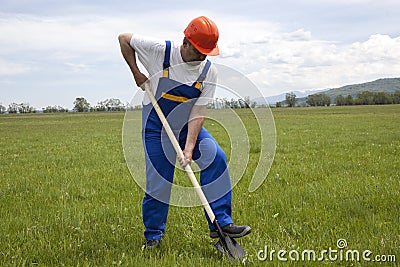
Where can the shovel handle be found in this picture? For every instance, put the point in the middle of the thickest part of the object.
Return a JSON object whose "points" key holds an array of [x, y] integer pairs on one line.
{"points": [[179, 152]]}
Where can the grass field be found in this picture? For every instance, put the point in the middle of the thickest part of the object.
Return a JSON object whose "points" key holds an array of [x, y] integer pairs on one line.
{"points": [[67, 197]]}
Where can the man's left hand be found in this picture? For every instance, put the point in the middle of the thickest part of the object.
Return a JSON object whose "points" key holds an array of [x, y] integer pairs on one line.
{"points": [[186, 160]]}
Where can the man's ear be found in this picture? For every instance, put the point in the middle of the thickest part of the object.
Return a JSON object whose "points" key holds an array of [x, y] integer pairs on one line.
{"points": [[185, 42]]}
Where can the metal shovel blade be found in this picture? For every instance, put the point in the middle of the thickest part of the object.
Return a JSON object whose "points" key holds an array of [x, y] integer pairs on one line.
{"points": [[227, 245], [230, 248]]}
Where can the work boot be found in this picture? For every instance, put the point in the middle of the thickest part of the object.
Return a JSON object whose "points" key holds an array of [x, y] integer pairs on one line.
{"points": [[152, 244], [232, 230]]}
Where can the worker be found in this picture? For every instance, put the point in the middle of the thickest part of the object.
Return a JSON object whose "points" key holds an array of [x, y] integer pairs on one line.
{"points": [[183, 81]]}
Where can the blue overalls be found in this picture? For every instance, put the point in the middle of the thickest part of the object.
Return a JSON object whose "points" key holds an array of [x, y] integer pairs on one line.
{"points": [[176, 101]]}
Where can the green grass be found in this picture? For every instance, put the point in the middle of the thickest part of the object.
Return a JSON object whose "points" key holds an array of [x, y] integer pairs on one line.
{"points": [[67, 197]]}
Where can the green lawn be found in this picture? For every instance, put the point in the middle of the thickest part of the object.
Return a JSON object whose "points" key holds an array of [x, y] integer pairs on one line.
{"points": [[67, 197]]}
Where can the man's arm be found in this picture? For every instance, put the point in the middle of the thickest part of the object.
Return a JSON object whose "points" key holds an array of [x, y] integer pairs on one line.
{"points": [[130, 57], [196, 121]]}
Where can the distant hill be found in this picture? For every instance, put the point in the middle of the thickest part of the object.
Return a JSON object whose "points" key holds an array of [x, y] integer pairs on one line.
{"points": [[386, 85], [282, 97]]}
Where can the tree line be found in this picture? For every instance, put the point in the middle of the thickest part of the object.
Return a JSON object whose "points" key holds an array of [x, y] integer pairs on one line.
{"points": [[219, 103], [369, 98], [114, 104], [364, 98], [80, 105], [17, 108]]}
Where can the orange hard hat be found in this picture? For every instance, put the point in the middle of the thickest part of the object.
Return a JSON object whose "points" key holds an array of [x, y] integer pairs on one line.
{"points": [[203, 34]]}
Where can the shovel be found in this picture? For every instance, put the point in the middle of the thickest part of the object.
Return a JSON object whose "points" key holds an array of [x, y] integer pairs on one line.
{"points": [[226, 245]]}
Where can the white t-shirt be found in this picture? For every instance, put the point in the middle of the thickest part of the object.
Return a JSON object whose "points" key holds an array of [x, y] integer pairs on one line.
{"points": [[151, 53]]}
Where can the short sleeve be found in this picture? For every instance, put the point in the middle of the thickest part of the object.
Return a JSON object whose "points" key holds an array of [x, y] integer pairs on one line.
{"points": [[149, 51]]}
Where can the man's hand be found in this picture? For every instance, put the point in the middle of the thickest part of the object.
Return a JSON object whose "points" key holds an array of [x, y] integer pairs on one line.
{"points": [[187, 158], [140, 79]]}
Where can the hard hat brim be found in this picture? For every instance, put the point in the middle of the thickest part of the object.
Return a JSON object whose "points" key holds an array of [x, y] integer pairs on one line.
{"points": [[208, 52], [214, 52]]}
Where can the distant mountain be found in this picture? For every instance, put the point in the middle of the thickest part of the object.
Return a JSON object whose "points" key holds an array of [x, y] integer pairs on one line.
{"points": [[386, 85], [282, 97]]}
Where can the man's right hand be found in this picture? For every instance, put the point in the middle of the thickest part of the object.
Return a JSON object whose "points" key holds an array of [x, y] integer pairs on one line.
{"points": [[140, 79]]}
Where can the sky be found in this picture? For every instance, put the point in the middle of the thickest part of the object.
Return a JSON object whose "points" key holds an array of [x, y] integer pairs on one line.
{"points": [[54, 51]]}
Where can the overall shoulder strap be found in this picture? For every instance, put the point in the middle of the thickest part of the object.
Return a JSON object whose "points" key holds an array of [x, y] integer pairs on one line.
{"points": [[167, 55], [203, 75]]}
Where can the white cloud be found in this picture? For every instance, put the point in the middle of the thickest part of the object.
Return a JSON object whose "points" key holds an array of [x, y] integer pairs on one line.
{"points": [[307, 63], [77, 67], [276, 57], [377, 48], [10, 68], [73, 34]]}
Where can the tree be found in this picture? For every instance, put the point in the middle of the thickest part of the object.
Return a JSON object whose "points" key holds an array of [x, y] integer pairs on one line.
{"points": [[382, 98], [81, 105], [242, 103], [365, 98], [247, 101], [349, 100], [112, 104], [25, 108], [396, 97], [226, 102], [2, 109], [233, 103], [21, 108], [218, 103], [52, 109], [340, 100], [291, 99], [13, 108], [318, 100]]}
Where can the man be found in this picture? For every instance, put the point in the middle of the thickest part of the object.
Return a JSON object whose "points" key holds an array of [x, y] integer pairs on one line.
{"points": [[183, 82]]}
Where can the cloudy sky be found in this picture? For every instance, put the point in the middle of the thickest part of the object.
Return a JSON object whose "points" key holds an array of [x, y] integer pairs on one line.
{"points": [[54, 51]]}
